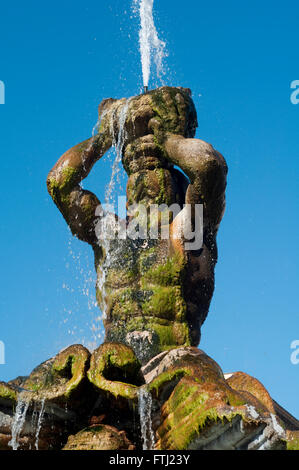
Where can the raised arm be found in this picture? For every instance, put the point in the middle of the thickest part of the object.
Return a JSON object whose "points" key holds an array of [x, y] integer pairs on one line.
{"points": [[76, 204], [206, 169]]}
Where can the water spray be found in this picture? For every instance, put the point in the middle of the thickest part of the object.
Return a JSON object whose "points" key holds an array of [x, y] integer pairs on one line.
{"points": [[151, 47]]}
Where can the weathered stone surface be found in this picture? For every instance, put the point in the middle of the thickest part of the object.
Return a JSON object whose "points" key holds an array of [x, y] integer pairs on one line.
{"points": [[157, 287], [289, 421], [292, 439], [8, 398], [167, 360], [200, 410], [55, 425], [8, 394], [246, 383], [18, 381], [115, 370], [194, 405], [62, 380], [101, 437], [58, 388]]}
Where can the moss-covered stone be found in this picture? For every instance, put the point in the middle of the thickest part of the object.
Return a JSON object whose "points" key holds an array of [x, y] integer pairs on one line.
{"points": [[293, 444], [170, 273], [292, 440], [142, 282], [174, 112], [188, 362], [114, 369], [165, 302], [244, 382], [8, 393], [102, 437], [165, 334], [143, 292], [195, 397], [62, 185], [63, 378]]}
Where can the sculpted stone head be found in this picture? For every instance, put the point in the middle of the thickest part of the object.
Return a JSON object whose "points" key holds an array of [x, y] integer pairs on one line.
{"points": [[148, 119]]}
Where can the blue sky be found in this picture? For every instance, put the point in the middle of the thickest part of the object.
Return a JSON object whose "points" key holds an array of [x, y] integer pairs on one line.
{"points": [[58, 61]]}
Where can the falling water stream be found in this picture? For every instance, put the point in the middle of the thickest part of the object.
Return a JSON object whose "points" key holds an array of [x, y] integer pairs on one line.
{"points": [[151, 47], [145, 415], [118, 142], [39, 422], [19, 420]]}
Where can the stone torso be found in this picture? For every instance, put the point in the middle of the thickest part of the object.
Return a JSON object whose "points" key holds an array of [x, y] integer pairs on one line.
{"points": [[142, 294]]}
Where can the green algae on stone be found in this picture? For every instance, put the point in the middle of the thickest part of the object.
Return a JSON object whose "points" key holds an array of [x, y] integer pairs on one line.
{"points": [[191, 408], [59, 187], [292, 442], [142, 293], [170, 273], [61, 376], [73, 361], [114, 369], [7, 392], [197, 396], [241, 381], [174, 110], [168, 376], [145, 294], [171, 334], [165, 280], [166, 303], [166, 334]]}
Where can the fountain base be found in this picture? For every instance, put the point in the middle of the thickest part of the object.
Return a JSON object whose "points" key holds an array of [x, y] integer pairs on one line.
{"points": [[179, 400]]}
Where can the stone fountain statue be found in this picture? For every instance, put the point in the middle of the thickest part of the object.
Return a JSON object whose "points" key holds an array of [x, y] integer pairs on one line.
{"points": [[155, 293]]}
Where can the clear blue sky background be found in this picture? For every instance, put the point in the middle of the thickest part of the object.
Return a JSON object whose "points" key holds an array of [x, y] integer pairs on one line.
{"points": [[58, 61]]}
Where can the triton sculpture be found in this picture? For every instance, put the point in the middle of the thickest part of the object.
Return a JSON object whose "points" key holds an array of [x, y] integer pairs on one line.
{"points": [[159, 287], [147, 386]]}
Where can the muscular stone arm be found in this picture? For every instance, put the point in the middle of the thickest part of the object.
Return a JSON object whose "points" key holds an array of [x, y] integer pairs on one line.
{"points": [[77, 205], [206, 170]]}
